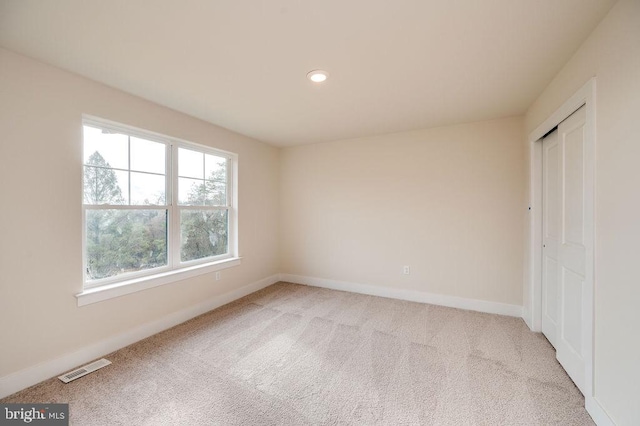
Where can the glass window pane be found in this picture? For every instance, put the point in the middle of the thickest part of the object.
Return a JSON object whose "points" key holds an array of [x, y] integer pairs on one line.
{"points": [[105, 149], [190, 163], [123, 241], [147, 189], [105, 186], [215, 193], [147, 156], [191, 192], [215, 168], [203, 233]]}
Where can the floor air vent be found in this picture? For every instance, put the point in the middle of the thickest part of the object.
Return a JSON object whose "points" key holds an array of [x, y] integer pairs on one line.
{"points": [[83, 371]]}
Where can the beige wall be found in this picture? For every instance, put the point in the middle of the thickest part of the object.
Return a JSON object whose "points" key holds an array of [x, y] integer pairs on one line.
{"points": [[447, 201], [612, 54], [40, 226]]}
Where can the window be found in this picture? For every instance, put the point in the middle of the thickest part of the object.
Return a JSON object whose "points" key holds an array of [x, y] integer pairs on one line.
{"points": [[152, 204], [203, 204]]}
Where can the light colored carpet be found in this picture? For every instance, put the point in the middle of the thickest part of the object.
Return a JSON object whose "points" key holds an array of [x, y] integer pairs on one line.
{"points": [[295, 355]]}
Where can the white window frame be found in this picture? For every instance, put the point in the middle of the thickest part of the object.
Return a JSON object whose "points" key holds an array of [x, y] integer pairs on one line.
{"points": [[107, 288], [175, 248]]}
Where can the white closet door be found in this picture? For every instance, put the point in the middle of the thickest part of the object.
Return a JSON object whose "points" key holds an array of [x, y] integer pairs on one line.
{"points": [[550, 235], [564, 253], [572, 251]]}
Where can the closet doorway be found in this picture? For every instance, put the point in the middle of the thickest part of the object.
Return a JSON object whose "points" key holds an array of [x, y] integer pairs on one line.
{"points": [[561, 251]]}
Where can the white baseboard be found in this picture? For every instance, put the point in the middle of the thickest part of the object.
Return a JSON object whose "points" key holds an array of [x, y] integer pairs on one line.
{"points": [[30, 376], [526, 316], [597, 413], [410, 295]]}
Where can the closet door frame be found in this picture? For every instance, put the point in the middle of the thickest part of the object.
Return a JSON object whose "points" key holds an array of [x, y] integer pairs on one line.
{"points": [[586, 96]]}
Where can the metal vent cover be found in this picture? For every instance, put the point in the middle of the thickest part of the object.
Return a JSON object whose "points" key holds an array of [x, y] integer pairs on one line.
{"points": [[84, 370]]}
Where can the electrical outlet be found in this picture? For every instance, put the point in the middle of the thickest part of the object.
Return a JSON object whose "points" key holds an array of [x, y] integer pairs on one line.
{"points": [[406, 270], [217, 275]]}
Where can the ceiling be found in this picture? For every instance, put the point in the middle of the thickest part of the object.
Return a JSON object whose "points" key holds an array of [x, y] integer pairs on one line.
{"points": [[394, 65]]}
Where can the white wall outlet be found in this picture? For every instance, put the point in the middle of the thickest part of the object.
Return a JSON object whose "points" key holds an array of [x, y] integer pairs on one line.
{"points": [[218, 274], [406, 269]]}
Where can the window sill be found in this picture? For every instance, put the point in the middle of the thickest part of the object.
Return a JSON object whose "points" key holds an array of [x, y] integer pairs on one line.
{"points": [[110, 291]]}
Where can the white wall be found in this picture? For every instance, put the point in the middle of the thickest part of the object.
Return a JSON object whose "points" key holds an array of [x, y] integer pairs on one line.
{"points": [[612, 54], [447, 201], [40, 223]]}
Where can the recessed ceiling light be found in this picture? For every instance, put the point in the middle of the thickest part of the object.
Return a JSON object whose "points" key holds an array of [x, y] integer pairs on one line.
{"points": [[317, 76]]}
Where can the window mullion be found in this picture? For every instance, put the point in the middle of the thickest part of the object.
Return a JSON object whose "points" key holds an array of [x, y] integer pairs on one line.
{"points": [[125, 207], [228, 183], [129, 168], [168, 185], [175, 209], [204, 208], [231, 215], [204, 181]]}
